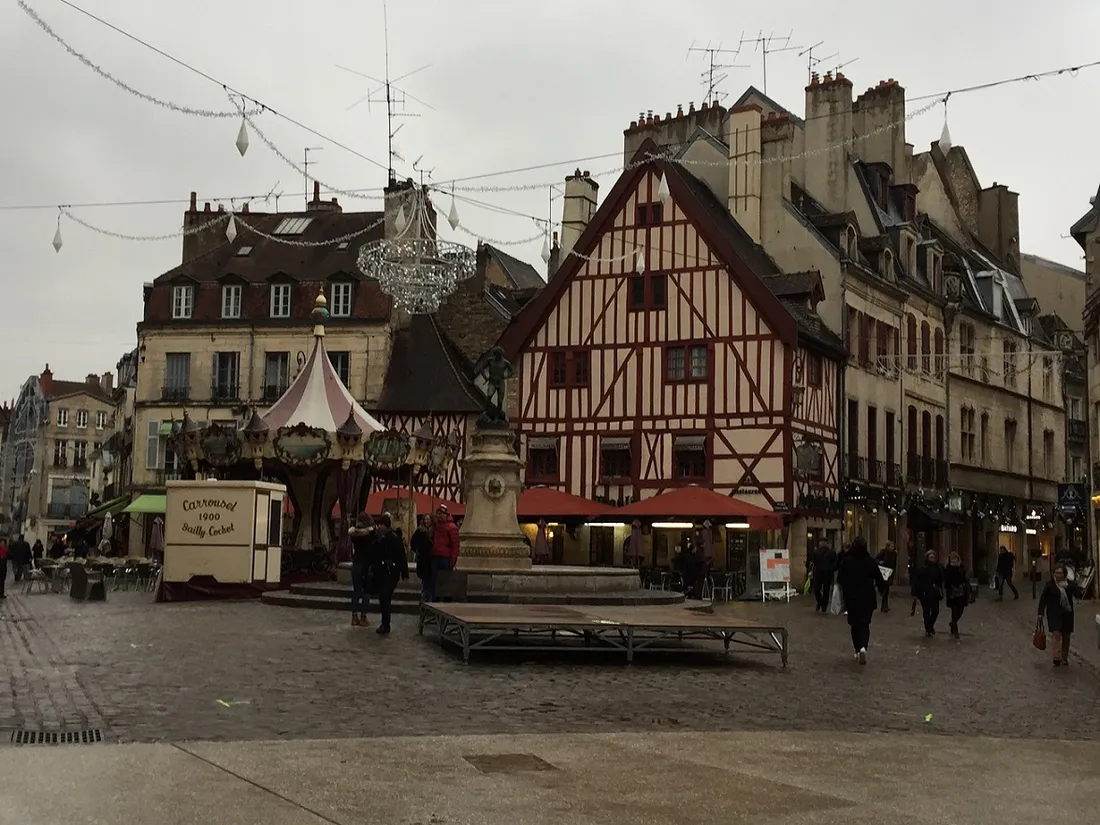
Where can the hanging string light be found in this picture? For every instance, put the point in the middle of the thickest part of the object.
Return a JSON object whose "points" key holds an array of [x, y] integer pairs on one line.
{"points": [[945, 135], [231, 229], [639, 262], [545, 254], [57, 243], [662, 190], [242, 138], [452, 216]]}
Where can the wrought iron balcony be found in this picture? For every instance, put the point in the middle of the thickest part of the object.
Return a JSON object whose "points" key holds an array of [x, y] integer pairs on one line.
{"points": [[912, 467], [272, 393], [876, 471], [171, 474], [175, 392], [857, 468], [222, 391], [1077, 430], [894, 478], [80, 464], [57, 509]]}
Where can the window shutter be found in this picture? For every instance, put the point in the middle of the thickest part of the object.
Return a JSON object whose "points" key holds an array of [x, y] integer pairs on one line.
{"points": [[152, 449]]}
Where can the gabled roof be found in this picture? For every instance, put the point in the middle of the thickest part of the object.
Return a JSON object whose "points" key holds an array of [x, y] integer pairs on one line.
{"points": [[427, 373], [267, 257], [744, 259], [1086, 224], [520, 273], [753, 92], [64, 389]]}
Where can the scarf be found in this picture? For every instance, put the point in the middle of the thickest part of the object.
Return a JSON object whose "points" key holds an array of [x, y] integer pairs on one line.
{"points": [[1064, 596]]}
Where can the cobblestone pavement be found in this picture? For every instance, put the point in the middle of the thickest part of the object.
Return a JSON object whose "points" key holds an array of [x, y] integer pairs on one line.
{"points": [[145, 672]]}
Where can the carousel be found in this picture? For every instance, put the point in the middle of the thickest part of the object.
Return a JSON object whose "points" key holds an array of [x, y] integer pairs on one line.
{"points": [[319, 442]]}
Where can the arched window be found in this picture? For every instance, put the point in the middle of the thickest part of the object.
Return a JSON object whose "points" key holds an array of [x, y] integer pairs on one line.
{"points": [[925, 347], [888, 265], [941, 356], [851, 241], [911, 341], [912, 448]]}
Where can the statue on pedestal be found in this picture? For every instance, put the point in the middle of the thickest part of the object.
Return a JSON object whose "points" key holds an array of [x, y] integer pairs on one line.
{"points": [[495, 369]]}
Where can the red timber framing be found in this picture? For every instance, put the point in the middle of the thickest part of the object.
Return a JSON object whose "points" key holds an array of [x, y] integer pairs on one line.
{"points": [[708, 369], [449, 484]]}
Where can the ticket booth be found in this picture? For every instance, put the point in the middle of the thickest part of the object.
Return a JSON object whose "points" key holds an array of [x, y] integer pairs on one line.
{"points": [[222, 539]]}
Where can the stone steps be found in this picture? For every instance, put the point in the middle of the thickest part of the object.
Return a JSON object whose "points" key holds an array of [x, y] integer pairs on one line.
{"points": [[406, 599]]}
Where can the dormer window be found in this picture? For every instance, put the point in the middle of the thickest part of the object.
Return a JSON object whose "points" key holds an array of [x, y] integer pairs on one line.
{"points": [[909, 253], [231, 301], [851, 240], [888, 265], [997, 288], [183, 301], [935, 270]]}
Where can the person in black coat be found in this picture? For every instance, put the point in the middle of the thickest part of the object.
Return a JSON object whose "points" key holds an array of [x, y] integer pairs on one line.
{"points": [[37, 552], [362, 537], [887, 558], [1056, 605], [859, 580], [824, 570], [1006, 564], [928, 588], [387, 564], [19, 554], [957, 587]]}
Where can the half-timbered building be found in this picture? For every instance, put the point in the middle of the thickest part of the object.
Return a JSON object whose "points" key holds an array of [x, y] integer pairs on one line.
{"points": [[668, 350]]}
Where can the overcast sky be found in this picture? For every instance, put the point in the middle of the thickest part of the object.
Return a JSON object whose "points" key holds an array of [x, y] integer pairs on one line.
{"points": [[511, 83]]}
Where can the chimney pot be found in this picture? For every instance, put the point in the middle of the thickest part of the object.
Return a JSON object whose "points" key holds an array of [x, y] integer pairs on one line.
{"points": [[244, 209], [656, 119], [335, 202], [555, 237], [679, 110], [588, 174], [206, 207], [633, 124], [704, 106], [316, 192], [221, 207], [668, 115], [691, 106], [194, 201]]}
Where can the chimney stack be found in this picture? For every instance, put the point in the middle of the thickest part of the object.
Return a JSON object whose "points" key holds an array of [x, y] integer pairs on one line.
{"points": [[743, 136], [828, 136], [879, 125], [107, 382], [45, 381], [555, 257], [578, 207], [194, 201], [318, 205], [999, 223]]}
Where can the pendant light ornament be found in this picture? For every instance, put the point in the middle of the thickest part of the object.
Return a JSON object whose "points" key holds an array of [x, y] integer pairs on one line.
{"points": [[945, 139], [639, 262], [662, 190], [452, 216], [57, 242], [400, 222], [231, 229], [242, 138], [545, 254]]}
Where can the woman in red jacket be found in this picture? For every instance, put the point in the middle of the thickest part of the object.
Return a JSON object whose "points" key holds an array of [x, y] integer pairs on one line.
{"points": [[445, 549]]}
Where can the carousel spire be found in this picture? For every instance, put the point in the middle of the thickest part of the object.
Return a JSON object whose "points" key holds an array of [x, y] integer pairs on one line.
{"points": [[319, 314]]}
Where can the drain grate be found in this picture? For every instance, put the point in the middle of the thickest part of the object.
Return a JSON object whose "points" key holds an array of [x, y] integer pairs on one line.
{"points": [[53, 737], [508, 763]]}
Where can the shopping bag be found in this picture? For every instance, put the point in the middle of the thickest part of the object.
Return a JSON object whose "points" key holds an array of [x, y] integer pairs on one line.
{"points": [[836, 602], [1039, 638], [886, 572], [806, 587]]}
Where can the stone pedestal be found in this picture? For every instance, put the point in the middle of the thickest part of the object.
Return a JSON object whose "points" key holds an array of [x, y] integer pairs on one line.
{"points": [[491, 538]]}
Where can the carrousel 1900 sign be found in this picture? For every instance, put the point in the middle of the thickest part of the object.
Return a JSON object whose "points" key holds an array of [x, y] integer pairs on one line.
{"points": [[211, 517]]}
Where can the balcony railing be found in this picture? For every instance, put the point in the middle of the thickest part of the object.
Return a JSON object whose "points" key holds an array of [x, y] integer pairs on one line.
{"points": [[857, 468], [60, 462], [80, 464], [1077, 430], [222, 391], [912, 467], [175, 392], [894, 478], [171, 474], [272, 393], [65, 510], [876, 471]]}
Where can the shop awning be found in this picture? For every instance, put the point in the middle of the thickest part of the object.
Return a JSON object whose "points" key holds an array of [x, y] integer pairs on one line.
{"points": [[696, 503], [148, 503], [111, 507], [546, 503], [944, 517], [376, 502]]}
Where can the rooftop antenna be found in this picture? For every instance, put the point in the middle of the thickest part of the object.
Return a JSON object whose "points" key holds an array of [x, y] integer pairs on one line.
{"points": [[813, 62], [766, 45], [424, 173], [842, 65], [305, 168], [715, 72], [389, 94]]}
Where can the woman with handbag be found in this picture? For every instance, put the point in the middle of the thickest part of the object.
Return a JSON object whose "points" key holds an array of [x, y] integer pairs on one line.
{"points": [[1056, 604], [387, 564], [859, 579], [957, 587], [928, 588]]}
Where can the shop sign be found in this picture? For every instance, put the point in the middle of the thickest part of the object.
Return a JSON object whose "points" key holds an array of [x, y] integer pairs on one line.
{"points": [[1009, 528], [1072, 501]]}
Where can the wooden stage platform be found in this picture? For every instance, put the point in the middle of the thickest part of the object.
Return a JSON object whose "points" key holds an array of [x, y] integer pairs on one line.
{"points": [[628, 630]]}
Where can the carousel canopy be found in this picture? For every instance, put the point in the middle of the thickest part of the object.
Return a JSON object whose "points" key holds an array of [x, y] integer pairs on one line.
{"points": [[317, 397]]}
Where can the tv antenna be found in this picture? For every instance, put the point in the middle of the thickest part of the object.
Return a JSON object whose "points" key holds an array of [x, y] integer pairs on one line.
{"points": [[769, 44], [305, 167], [813, 62], [842, 65], [715, 73], [424, 173], [393, 97]]}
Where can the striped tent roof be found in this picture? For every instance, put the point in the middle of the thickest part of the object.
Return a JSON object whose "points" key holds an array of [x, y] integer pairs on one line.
{"points": [[318, 398]]}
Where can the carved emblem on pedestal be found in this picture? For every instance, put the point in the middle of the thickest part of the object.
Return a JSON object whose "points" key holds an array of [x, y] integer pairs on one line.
{"points": [[494, 487]]}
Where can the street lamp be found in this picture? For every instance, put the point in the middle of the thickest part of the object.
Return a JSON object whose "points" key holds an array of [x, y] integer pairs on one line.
{"points": [[420, 446], [190, 437], [256, 435], [349, 436]]}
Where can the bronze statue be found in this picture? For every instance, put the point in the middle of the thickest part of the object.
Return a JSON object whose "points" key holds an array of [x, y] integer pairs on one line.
{"points": [[495, 369]]}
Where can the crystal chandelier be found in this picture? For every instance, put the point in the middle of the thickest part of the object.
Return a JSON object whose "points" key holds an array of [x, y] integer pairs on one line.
{"points": [[418, 271]]}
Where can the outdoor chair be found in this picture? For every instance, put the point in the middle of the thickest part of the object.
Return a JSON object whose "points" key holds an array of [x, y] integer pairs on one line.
{"points": [[723, 590], [144, 576], [34, 577], [87, 586]]}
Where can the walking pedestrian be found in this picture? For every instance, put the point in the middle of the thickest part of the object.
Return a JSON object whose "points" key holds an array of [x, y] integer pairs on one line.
{"points": [[1056, 604], [957, 587], [824, 560], [887, 558], [929, 591], [1006, 564], [19, 553], [445, 547], [421, 545], [388, 564], [37, 552], [362, 535], [859, 579]]}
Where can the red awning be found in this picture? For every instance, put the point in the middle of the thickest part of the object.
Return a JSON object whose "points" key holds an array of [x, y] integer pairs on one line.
{"points": [[694, 502], [543, 502], [376, 501]]}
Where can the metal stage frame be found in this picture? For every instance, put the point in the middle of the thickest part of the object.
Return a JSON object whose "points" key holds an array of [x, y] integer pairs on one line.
{"points": [[528, 627]]}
